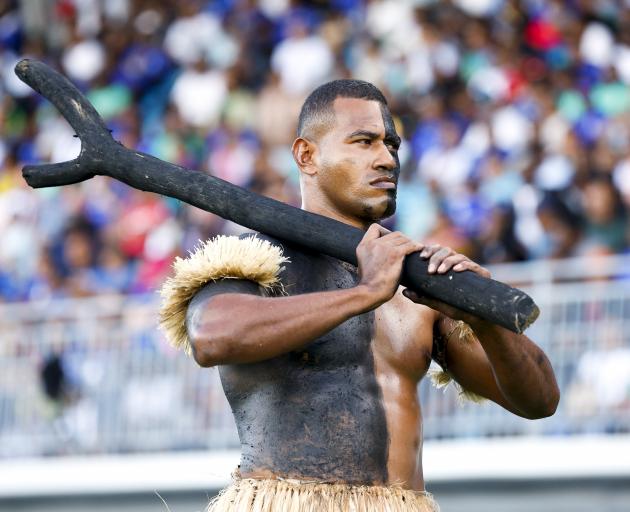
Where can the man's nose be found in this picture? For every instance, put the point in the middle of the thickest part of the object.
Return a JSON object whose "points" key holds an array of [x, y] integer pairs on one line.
{"points": [[385, 160]]}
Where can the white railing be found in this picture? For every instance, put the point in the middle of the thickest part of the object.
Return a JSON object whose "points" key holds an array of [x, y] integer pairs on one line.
{"points": [[128, 391], [584, 327]]}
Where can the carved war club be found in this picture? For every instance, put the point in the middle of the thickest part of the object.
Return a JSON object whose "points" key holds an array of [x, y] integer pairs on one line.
{"points": [[102, 155]]}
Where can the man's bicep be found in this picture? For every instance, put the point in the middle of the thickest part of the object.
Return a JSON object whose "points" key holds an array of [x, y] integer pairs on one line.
{"points": [[470, 367], [204, 318]]}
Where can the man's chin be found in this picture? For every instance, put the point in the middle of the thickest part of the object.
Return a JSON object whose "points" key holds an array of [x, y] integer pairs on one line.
{"points": [[390, 210], [382, 211]]}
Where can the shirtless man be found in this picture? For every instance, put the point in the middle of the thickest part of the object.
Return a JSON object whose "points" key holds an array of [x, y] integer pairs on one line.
{"points": [[323, 381]]}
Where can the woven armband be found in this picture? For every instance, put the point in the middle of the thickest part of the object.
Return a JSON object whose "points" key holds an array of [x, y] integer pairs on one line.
{"points": [[223, 257]]}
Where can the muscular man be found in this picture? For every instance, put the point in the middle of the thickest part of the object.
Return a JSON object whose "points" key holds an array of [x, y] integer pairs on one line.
{"points": [[323, 379]]}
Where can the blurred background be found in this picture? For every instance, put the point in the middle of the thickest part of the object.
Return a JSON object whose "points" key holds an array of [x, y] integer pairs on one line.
{"points": [[515, 124]]}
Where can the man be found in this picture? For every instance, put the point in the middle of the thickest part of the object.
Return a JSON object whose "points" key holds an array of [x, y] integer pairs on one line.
{"points": [[323, 378]]}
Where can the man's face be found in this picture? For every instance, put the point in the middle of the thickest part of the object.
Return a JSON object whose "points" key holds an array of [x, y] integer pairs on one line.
{"points": [[358, 164]]}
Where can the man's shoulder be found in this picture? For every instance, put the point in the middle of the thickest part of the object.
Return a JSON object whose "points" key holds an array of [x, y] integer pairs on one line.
{"points": [[305, 270], [288, 248]]}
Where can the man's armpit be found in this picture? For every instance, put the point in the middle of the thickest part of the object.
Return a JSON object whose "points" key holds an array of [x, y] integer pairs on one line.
{"points": [[440, 341]]}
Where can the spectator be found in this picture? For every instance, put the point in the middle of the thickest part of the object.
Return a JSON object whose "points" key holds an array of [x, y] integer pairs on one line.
{"points": [[606, 221], [302, 60], [198, 94], [513, 117]]}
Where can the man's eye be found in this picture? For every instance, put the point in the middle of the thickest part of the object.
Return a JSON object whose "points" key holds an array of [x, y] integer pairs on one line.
{"points": [[365, 142]]}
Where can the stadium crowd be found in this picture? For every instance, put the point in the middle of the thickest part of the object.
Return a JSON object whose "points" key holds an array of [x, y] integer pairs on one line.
{"points": [[514, 115]]}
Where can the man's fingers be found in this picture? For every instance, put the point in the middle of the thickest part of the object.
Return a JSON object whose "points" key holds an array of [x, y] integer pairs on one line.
{"points": [[394, 235], [406, 243], [472, 266], [442, 259], [429, 250], [423, 299], [397, 239], [449, 262], [410, 246], [435, 304], [437, 259], [411, 295], [373, 232]]}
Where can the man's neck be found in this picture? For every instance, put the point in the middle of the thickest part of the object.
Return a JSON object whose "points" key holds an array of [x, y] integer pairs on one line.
{"points": [[328, 211]]}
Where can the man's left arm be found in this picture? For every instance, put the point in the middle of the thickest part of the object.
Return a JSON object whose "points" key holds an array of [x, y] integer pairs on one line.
{"points": [[507, 368]]}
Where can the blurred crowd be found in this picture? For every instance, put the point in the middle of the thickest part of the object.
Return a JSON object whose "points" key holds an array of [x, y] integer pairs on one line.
{"points": [[514, 117]]}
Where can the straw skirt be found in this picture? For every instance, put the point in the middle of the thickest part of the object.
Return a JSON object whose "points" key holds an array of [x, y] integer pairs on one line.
{"points": [[278, 495]]}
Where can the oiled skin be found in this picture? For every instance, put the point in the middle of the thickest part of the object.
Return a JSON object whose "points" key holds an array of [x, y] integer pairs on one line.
{"points": [[345, 408]]}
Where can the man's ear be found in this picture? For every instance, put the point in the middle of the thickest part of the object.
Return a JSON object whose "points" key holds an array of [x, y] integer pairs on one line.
{"points": [[304, 154]]}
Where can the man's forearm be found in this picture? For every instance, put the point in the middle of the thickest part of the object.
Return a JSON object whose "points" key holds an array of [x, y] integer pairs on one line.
{"points": [[238, 328], [522, 370]]}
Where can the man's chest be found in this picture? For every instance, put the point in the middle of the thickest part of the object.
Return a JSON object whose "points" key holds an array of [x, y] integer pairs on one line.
{"points": [[398, 332], [403, 336]]}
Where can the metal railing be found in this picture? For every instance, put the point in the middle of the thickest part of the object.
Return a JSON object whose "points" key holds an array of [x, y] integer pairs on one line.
{"points": [[127, 390], [584, 327]]}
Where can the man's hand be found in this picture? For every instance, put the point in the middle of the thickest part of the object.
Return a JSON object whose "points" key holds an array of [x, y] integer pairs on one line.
{"points": [[441, 260], [381, 254]]}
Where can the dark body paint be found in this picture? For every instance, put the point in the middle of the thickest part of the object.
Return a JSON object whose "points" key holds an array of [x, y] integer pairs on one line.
{"points": [[316, 413], [391, 138]]}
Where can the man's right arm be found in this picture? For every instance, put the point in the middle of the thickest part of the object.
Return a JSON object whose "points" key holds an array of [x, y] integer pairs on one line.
{"points": [[228, 322]]}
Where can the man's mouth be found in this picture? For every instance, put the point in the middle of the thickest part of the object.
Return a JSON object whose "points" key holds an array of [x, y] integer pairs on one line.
{"points": [[386, 182]]}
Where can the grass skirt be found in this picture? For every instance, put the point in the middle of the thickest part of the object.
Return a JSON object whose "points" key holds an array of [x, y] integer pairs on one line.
{"points": [[274, 495]]}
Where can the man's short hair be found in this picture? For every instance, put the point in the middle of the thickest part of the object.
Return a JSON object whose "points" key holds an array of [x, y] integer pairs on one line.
{"points": [[318, 107]]}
